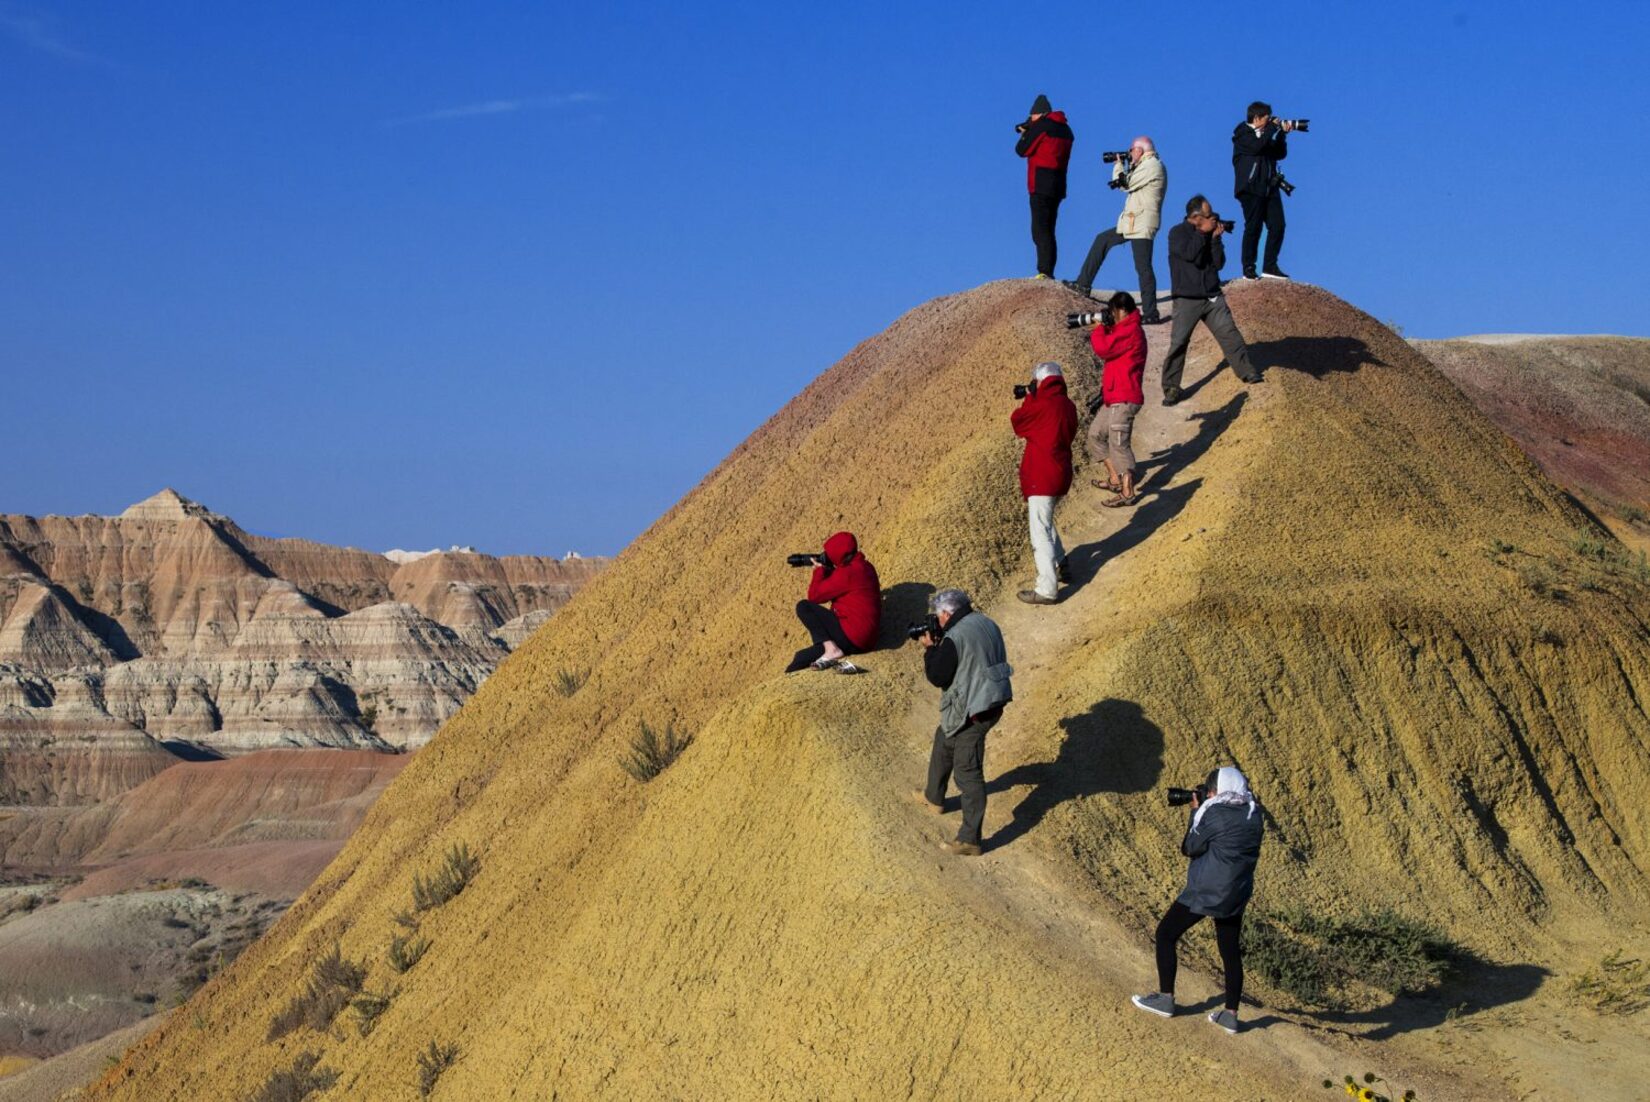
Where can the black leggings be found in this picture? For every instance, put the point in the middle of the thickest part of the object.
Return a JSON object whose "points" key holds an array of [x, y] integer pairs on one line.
{"points": [[1228, 936], [822, 624]]}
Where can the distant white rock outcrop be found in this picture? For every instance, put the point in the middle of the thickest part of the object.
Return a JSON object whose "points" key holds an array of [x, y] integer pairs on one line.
{"points": [[169, 623]]}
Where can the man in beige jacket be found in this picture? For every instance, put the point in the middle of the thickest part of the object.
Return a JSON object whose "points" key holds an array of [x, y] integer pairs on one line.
{"points": [[1144, 181]]}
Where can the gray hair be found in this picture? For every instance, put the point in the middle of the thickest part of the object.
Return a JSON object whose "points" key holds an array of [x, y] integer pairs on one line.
{"points": [[1046, 369], [954, 601], [1144, 143]]}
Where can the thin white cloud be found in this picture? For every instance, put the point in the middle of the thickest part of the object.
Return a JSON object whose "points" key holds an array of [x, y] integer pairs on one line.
{"points": [[37, 33], [496, 107]]}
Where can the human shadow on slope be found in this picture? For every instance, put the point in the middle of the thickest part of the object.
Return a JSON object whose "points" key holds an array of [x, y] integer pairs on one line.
{"points": [[1315, 356], [1112, 747], [1170, 461], [902, 603], [1477, 985], [1145, 518], [1085, 561]]}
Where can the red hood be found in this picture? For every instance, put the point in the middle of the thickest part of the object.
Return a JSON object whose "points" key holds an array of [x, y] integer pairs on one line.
{"points": [[840, 546], [1056, 116], [1048, 384]]}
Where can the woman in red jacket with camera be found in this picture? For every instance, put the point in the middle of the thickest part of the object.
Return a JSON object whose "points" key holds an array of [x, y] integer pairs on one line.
{"points": [[1120, 345], [845, 580]]}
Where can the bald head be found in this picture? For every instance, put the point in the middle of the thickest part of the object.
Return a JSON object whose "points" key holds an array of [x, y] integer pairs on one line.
{"points": [[1140, 147]]}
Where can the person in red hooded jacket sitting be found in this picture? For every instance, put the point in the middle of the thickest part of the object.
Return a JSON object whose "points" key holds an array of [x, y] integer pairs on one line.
{"points": [[1120, 345], [1047, 422], [845, 580]]}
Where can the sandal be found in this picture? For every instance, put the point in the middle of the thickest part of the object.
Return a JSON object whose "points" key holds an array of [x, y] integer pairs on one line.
{"points": [[824, 664], [1120, 501], [847, 667], [1114, 487]]}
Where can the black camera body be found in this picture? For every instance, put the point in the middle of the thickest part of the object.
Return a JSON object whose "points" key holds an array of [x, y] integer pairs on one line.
{"points": [[1023, 391], [1228, 224], [1179, 797], [1091, 317], [929, 627], [805, 559], [1283, 185]]}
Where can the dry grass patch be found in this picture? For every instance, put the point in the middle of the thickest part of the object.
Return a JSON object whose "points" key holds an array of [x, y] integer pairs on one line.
{"points": [[457, 869], [333, 983], [297, 1081], [432, 1062]]}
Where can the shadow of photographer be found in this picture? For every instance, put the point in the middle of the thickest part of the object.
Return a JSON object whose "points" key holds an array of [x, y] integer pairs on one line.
{"points": [[1112, 747]]}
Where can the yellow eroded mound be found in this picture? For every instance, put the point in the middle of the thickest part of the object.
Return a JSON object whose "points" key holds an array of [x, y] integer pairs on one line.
{"points": [[1344, 579]]}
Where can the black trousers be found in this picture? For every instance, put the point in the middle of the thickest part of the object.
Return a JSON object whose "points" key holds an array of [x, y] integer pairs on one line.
{"points": [[1142, 247], [1259, 210], [822, 624], [1228, 938], [1045, 209], [962, 756]]}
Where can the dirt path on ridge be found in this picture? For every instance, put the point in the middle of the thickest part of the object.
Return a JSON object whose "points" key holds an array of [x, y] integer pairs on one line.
{"points": [[1110, 552]]}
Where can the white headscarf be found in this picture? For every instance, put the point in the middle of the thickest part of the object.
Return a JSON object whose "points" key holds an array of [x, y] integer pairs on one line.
{"points": [[1231, 789]]}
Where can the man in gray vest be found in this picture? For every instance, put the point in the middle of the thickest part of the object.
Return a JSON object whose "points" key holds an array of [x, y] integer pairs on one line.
{"points": [[969, 662]]}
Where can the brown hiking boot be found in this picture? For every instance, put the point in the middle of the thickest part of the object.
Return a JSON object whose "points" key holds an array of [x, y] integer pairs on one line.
{"points": [[1032, 597], [961, 849]]}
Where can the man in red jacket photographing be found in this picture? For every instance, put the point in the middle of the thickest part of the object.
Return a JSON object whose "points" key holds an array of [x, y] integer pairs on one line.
{"points": [[1047, 422], [844, 580]]}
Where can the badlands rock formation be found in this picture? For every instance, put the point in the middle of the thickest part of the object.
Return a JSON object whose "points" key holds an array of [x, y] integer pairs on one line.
{"points": [[170, 624], [1580, 406], [1345, 579]]}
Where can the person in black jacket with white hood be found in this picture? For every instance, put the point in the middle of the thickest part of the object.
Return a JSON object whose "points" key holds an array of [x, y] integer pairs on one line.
{"points": [[1223, 841]]}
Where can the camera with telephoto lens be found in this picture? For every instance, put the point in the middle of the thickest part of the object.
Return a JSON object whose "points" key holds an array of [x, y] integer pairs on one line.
{"points": [[1024, 390], [1298, 124], [1228, 224], [1091, 317], [808, 559], [1113, 156], [1181, 796], [929, 627]]}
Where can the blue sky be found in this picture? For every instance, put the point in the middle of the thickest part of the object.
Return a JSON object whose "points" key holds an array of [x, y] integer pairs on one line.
{"points": [[518, 275]]}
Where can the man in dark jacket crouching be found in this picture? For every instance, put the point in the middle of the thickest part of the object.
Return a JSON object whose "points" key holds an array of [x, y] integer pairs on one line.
{"points": [[970, 663], [1223, 841]]}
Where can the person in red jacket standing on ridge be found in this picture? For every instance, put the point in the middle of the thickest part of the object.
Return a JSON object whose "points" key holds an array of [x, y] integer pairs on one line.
{"points": [[1047, 422], [1120, 345], [844, 579], [1045, 143]]}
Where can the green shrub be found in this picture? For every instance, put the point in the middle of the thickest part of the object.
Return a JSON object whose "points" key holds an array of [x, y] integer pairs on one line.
{"points": [[331, 985], [431, 1063], [569, 681], [1315, 958], [457, 869], [1614, 985], [296, 1082], [407, 951], [652, 753]]}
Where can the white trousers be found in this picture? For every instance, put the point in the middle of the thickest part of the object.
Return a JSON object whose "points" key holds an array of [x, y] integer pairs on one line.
{"points": [[1046, 548]]}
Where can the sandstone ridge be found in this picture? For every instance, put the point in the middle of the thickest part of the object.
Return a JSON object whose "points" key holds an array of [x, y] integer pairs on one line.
{"points": [[1345, 579]]}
